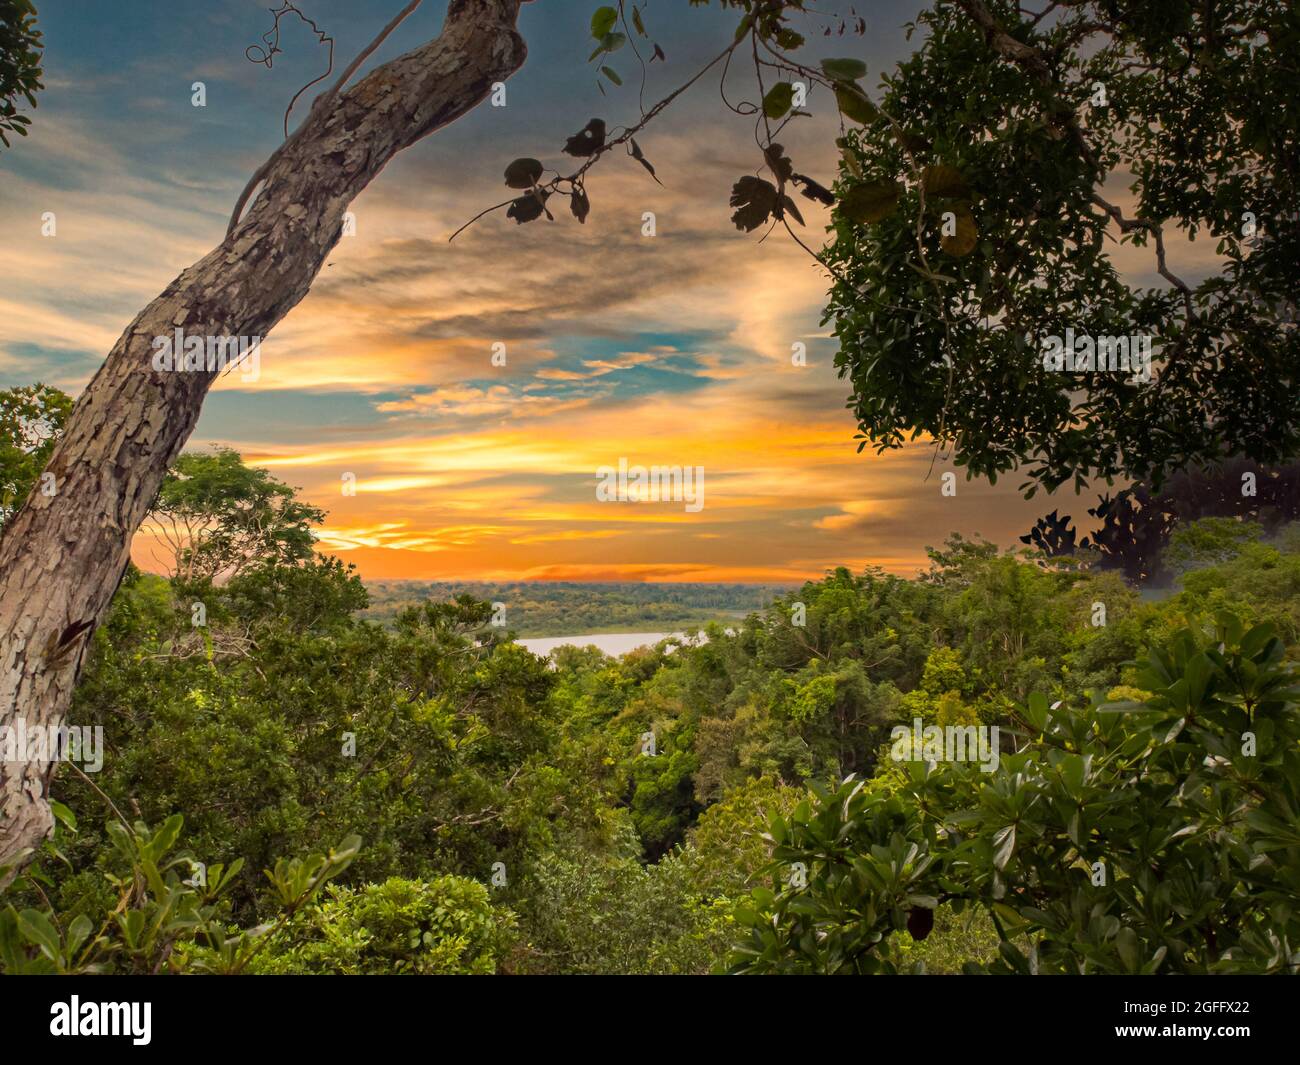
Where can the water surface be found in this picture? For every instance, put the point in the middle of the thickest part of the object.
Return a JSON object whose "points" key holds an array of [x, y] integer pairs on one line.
{"points": [[612, 643]]}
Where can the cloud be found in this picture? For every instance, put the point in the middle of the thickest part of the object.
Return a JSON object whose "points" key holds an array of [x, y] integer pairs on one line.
{"points": [[666, 349]]}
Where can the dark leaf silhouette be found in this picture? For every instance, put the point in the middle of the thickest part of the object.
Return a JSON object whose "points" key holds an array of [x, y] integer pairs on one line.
{"points": [[1137, 523], [589, 140], [523, 173], [1053, 535], [579, 204], [634, 150], [778, 163], [529, 208], [813, 190], [755, 201], [920, 922]]}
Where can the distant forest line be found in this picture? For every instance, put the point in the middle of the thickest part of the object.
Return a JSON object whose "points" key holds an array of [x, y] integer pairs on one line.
{"points": [[566, 608]]}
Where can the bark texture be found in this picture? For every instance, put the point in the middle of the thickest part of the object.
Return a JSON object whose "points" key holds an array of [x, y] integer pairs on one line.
{"points": [[62, 556]]}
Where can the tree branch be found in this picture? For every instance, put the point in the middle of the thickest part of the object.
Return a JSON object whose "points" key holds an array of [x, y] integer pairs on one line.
{"points": [[62, 556], [1127, 225], [1035, 63], [627, 134], [321, 102]]}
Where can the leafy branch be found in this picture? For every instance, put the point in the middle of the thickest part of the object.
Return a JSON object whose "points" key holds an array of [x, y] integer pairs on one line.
{"points": [[590, 143]]}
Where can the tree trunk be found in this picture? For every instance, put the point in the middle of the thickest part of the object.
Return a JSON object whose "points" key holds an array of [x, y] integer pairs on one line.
{"points": [[62, 555]]}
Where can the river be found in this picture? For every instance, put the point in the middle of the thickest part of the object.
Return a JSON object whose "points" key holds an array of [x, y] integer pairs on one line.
{"points": [[612, 643]]}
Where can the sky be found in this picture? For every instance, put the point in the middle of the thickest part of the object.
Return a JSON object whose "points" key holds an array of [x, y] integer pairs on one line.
{"points": [[672, 349]]}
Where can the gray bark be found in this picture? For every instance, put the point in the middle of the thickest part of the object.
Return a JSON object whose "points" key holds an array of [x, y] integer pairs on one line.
{"points": [[62, 556]]}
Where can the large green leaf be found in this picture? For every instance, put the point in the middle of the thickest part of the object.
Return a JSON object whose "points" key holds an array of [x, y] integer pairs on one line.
{"points": [[778, 100], [854, 104], [844, 69], [964, 236], [870, 203], [603, 20], [941, 180]]}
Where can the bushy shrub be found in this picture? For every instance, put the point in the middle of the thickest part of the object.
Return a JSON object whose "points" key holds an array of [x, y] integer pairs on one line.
{"points": [[1143, 837], [158, 910], [441, 927]]}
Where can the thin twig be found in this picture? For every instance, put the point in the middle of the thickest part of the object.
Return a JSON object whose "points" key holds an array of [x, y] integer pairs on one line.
{"points": [[98, 791], [1127, 225], [627, 134]]}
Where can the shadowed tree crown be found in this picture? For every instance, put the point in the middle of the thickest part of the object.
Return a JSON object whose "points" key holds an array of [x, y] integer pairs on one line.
{"points": [[20, 65]]}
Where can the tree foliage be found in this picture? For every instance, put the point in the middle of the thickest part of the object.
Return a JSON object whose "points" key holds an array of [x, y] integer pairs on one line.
{"points": [[1017, 127], [1138, 524], [1147, 837], [976, 218], [31, 418], [164, 912], [20, 65], [442, 927], [599, 815], [287, 722], [219, 517]]}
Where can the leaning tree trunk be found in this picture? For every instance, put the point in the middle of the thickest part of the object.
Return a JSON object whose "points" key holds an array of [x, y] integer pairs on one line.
{"points": [[62, 555]]}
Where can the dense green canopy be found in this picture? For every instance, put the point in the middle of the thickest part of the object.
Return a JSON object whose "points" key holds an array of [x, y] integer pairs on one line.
{"points": [[1044, 145]]}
